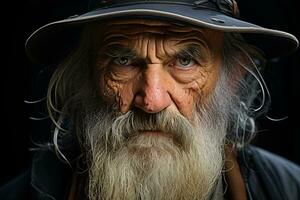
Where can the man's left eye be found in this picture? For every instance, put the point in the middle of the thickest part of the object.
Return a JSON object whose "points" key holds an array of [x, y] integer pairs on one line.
{"points": [[185, 62]]}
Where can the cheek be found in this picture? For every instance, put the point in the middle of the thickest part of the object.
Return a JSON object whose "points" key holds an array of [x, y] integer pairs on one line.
{"points": [[186, 96], [106, 89], [117, 93], [205, 86]]}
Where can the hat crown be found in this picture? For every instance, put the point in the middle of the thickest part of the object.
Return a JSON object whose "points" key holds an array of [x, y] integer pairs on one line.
{"points": [[228, 7]]}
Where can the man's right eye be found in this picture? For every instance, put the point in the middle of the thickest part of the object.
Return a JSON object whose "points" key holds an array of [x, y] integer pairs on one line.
{"points": [[123, 60]]}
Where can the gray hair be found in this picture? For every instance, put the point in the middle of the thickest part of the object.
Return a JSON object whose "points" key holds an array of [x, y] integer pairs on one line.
{"points": [[250, 97], [72, 83]]}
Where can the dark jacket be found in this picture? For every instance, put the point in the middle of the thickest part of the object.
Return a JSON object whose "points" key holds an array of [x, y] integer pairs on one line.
{"points": [[267, 177]]}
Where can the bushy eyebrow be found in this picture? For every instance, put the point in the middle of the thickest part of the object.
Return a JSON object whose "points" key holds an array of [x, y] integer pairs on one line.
{"points": [[118, 50], [193, 51]]}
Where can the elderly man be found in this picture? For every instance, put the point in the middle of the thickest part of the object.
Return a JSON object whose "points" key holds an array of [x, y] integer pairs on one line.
{"points": [[158, 98]]}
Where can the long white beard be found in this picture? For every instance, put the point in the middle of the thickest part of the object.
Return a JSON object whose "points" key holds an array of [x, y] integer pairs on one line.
{"points": [[185, 163]]}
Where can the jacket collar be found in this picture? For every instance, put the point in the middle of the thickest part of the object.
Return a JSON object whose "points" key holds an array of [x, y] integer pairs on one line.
{"points": [[50, 177]]}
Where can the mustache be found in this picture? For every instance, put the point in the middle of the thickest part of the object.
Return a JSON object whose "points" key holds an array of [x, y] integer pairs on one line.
{"points": [[136, 121]]}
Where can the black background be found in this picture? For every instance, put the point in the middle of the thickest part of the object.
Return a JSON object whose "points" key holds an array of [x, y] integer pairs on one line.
{"points": [[22, 82]]}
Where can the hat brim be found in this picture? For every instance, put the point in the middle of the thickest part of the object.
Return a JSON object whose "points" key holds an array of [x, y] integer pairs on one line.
{"points": [[47, 44]]}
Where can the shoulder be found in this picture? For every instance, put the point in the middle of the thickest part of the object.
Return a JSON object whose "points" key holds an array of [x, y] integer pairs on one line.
{"points": [[18, 188], [47, 178], [270, 175], [276, 166], [276, 163]]}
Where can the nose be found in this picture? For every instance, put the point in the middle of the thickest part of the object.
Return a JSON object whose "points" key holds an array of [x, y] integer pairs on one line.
{"points": [[152, 95]]}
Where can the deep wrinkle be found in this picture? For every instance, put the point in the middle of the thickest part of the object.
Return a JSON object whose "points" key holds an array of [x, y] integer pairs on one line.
{"points": [[193, 51], [152, 51]]}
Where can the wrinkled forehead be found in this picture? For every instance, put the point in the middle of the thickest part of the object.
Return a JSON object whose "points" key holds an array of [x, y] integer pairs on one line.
{"points": [[133, 28]]}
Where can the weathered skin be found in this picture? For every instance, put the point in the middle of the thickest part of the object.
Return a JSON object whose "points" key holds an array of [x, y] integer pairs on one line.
{"points": [[156, 78]]}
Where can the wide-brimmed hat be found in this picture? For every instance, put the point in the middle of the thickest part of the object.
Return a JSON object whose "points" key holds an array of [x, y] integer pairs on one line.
{"points": [[53, 41]]}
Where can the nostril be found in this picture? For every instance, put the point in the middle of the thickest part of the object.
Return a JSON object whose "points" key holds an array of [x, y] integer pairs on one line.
{"points": [[151, 103]]}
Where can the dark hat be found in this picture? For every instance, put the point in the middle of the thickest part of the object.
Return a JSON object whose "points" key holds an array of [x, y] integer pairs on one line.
{"points": [[48, 43]]}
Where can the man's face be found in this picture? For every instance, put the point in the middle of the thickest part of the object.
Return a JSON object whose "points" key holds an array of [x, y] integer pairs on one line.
{"points": [[154, 65], [155, 143]]}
